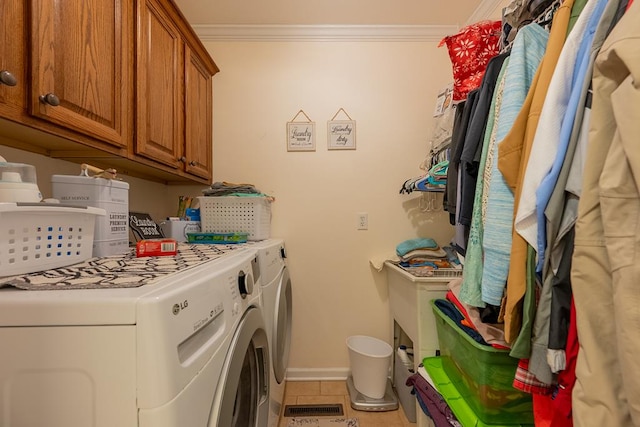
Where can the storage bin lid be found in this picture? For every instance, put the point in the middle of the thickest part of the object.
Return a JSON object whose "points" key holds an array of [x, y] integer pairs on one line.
{"points": [[86, 180]]}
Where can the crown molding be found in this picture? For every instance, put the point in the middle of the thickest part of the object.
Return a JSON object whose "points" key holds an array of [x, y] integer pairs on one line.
{"points": [[485, 10], [269, 33]]}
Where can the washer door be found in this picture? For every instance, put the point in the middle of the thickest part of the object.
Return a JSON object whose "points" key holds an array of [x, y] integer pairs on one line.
{"points": [[244, 379], [281, 340]]}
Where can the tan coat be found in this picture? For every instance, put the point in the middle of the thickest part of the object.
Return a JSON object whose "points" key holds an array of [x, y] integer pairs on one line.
{"points": [[605, 272]]}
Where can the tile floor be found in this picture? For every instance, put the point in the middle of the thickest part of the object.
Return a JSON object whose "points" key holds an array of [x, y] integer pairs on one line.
{"points": [[321, 392]]}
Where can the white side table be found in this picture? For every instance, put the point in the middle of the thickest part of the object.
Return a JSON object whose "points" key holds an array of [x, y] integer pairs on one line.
{"points": [[414, 323]]}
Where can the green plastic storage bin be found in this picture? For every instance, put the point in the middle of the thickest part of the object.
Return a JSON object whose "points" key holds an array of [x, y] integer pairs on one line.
{"points": [[483, 375], [459, 405]]}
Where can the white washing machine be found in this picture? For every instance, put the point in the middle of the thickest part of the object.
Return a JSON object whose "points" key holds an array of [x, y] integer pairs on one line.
{"points": [[188, 350], [277, 307]]}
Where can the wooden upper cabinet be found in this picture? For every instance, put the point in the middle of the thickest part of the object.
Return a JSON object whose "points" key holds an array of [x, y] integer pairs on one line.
{"points": [[174, 92], [116, 83], [81, 67], [199, 121], [12, 63], [160, 58]]}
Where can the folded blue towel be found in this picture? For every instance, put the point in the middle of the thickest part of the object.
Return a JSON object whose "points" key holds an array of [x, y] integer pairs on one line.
{"points": [[413, 244]]}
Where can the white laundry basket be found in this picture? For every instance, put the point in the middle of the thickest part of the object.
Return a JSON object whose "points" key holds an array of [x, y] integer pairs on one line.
{"points": [[41, 236], [370, 359], [232, 214]]}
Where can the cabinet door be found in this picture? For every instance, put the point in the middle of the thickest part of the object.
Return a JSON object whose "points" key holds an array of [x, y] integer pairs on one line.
{"points": [[198, 118], [81, 66], [160, 86], [12, 68]]}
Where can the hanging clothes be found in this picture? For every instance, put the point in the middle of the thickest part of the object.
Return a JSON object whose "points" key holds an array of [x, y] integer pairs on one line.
{"points": [[470, 292], [520, 13], [560, 313], [513, 154], [545, 143], [531, 173], [513, 15], [467, 153], [449, 198], [560, 216], [577, 93], [561, 401], [472, 149], [459, 133], [526, 54], [576, 10], [604, 272]]}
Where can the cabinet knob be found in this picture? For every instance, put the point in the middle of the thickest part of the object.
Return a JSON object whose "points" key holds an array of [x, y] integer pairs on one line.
{"points": [[7, 78], [192, 163], [50, 99], [182, 159]]}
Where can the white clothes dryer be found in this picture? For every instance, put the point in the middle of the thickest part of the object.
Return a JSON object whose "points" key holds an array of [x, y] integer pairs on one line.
{"points": [[277, 307], [190, 349]]}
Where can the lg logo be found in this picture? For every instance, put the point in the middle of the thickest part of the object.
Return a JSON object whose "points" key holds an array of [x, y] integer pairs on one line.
{"points": [[180, 306]]}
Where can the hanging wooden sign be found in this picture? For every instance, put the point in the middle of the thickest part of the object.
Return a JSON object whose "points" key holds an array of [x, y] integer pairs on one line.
{"points": [[341, 134], [301, 135]]}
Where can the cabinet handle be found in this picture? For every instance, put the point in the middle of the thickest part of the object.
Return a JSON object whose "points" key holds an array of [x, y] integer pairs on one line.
{"points": [[192, 163], [182, 159], [7, 78], [50, 99]]}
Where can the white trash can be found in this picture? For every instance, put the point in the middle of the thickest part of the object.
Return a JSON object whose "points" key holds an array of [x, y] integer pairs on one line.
{"points": [[370, 359]]}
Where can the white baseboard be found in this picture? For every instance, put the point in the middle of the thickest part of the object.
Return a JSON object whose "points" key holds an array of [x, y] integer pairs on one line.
{"points": [[317, 374]]}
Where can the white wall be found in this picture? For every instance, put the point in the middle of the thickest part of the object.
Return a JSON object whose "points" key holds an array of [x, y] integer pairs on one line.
{"points": [[389, 89]]}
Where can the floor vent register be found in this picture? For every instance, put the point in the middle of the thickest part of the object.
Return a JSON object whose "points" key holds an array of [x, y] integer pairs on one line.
{"points": [[313, 410]]}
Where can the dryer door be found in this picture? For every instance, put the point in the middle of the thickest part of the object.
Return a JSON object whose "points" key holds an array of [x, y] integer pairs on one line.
{"points": [[282, 326], [243, 396]]}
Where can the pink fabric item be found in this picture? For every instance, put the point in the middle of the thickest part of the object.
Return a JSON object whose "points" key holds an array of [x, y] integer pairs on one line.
{"points": [[492, 333], [451, 297], [470, 50]]}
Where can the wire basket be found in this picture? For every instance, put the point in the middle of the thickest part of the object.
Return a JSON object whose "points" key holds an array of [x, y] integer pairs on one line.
{"points": [[38, 237], [233, 214], [438, 272]]}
